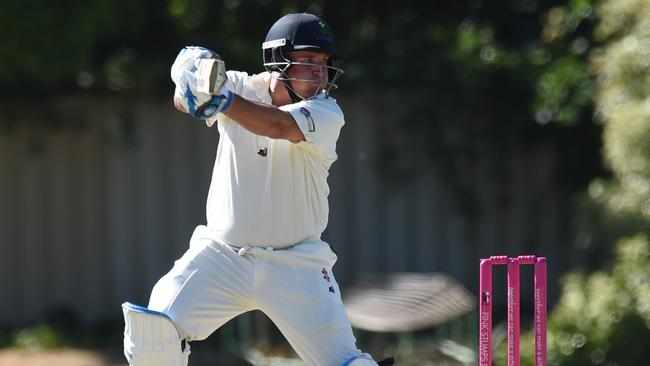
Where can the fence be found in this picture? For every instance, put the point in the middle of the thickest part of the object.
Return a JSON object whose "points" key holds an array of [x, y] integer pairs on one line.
{"points": [[94, 212]]}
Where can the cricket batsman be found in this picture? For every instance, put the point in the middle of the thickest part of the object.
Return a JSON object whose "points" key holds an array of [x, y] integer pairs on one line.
{"points": [[266, 208]]}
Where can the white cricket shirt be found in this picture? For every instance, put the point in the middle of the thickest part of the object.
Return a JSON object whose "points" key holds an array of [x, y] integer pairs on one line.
{"points": [[267, 192]]}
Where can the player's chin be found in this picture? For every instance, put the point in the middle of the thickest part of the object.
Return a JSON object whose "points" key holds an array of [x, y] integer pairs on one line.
{"points": [[313, 88], [308, 88]]}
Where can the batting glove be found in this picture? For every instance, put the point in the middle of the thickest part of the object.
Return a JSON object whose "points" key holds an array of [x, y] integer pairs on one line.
{"points": [[200, 76]]}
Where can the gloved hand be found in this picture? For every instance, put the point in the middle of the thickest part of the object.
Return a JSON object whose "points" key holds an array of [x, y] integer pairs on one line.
{"points": [[200, 76]]}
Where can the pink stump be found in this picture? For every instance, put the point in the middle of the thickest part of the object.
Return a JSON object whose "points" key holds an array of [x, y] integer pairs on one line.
{"points": [[485, 314], [513, 312], [540, 311], [513, 292]]}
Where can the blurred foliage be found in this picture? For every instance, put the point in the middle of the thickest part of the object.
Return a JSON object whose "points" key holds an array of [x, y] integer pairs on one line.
{"points": [[478, 78], [603, 318], [529, 54], [38, 337], [620, 206], [48, 47]]}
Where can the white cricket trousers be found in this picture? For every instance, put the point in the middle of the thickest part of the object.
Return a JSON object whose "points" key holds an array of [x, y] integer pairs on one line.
{"points": [[212, 283]]}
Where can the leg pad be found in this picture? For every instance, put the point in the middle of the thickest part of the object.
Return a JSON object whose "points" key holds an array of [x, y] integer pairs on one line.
{"points": [[151, 338]]}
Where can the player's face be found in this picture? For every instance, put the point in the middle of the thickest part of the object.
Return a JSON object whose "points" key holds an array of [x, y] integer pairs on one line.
{"points": [[308, 71]]}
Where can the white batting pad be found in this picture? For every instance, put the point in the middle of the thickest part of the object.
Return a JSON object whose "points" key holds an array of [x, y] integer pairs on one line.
{"points": [[151, 338]]}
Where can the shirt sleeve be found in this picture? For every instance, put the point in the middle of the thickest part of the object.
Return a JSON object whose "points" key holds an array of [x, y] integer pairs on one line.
{"points": [[320, 120]]}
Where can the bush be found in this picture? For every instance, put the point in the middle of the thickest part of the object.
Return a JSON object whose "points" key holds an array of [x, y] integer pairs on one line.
{"points": [[38, 337], [602, 318]]}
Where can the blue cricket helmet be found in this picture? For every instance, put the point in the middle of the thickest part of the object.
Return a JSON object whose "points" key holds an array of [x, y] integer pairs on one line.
{"points": [[299, 32]]}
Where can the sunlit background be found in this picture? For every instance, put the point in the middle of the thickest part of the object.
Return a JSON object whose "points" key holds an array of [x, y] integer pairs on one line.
{"points": [[473, 128]]}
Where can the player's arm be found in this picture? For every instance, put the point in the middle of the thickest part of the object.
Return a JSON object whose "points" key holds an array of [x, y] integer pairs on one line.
{"points": [[260, 119], [264, 120], [200, 78]]}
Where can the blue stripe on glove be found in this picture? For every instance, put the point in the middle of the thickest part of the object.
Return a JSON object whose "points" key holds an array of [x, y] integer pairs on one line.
{"points": [[218, 104]]}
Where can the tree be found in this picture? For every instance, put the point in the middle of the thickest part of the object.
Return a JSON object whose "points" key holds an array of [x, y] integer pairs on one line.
{"points": [[506, 75], [603, 318], [529, 53]]}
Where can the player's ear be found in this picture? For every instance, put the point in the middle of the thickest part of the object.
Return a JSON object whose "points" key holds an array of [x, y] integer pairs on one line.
{"points": [[274, 82]]}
